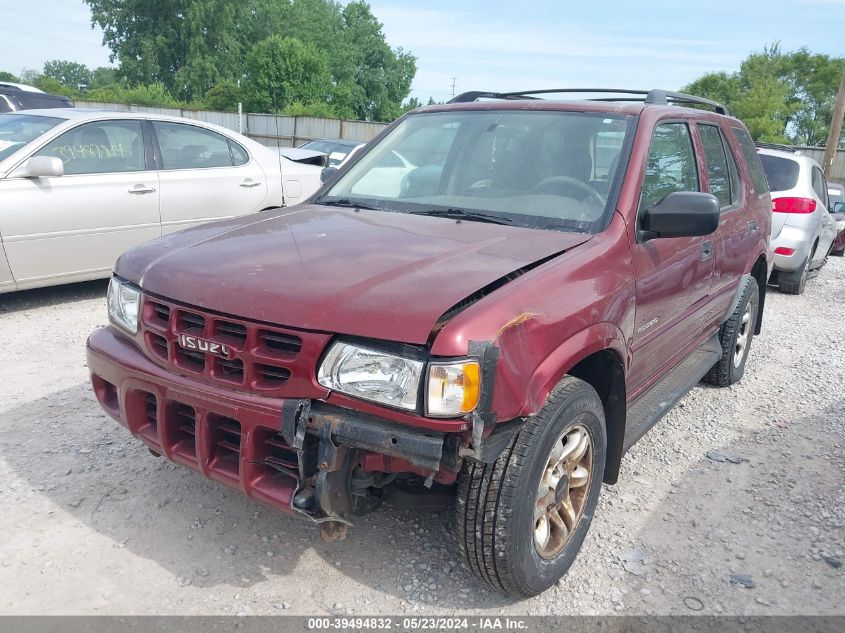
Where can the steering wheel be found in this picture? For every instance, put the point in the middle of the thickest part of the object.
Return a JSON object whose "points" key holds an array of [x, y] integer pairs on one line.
{"points": [[556, 184]]}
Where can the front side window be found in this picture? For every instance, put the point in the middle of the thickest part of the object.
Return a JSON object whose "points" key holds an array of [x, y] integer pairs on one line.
{"points": [[191, 147], [16, 130], [717, 163], [535, 169], [671, 164], [100, 147]]}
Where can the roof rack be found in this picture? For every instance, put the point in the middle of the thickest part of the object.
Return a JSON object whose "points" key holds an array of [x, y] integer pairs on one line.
{"points": [[783, 148], [651, 97]]}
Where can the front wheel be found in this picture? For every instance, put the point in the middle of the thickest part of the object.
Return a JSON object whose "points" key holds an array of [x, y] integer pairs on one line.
{"points": [[521, 520]]}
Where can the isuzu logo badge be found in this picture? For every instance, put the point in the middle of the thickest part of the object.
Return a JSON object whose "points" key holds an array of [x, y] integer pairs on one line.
{"points": [[201, 345]]}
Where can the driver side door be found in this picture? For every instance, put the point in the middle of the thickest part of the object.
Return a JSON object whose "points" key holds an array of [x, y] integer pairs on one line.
{"points": [[673, 275]]}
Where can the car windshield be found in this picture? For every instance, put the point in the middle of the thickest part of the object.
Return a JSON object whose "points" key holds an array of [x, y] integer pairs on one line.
{"points": [[16, 130], [836, 195], [549, 170], [782, 173]]}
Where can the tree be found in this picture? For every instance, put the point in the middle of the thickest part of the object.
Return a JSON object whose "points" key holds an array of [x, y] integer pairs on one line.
{"points": [[102, 77], [190, 46], [4, 76], [186, 45], [67, 73], [283, 70], [782, 97], [224, 97]]}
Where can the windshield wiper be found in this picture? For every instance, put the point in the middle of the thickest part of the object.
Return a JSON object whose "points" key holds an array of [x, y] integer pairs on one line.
{"points": [[463, 214], [347, 203]]}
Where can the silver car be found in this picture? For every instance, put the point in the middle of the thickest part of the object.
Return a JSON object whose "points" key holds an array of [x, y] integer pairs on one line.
{"points": [[79, 187], [803, 227]]}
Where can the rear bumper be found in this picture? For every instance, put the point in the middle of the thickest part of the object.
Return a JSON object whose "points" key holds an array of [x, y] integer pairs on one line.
{"points": [[268, 448], [797, 239]]}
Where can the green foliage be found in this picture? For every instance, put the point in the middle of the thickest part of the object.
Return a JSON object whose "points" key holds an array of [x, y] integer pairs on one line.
{"points": [[102, 77], [781, 97], [71, 74], [4, 76], [152, 95], [190, 46], [48, 84], [224, 97], [281, 71]]}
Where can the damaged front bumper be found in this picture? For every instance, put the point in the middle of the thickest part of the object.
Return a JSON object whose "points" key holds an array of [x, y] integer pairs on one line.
{"points": [[302, 456]]}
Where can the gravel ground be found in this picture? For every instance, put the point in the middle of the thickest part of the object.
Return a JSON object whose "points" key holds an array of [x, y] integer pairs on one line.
{"points": [[92, 523]]}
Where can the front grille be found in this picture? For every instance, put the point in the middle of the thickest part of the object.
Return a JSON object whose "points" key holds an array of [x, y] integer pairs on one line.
{"points": [[259, 358], [225, 445]]}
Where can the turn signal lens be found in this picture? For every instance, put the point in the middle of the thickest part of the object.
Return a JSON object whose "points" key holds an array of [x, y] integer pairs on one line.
{"points": [[783, 250], [793, 205], [453, 388]]}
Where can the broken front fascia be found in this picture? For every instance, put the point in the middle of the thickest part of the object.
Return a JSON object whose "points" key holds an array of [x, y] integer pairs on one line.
{"points": [[330, 441]]}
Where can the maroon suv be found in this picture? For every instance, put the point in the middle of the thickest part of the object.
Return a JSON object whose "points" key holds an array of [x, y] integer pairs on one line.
{"points": [[496, 298]]}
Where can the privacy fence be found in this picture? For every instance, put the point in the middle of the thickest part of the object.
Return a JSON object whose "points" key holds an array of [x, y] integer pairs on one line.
{"points": [[275, 131], [292, 131]]}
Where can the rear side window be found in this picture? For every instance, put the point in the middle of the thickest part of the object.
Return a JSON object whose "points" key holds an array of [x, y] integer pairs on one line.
{"points": [[717, 163], [671, 164], [239, 155], [191, 147], [819, 186], [782, 173], [749, 152]]}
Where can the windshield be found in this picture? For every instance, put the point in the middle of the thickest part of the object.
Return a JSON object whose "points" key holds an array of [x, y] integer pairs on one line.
{"points": [[16, 130], [550, 170]]}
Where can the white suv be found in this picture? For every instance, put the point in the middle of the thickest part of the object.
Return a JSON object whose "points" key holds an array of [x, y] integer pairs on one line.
{"points": [[803, 228]]}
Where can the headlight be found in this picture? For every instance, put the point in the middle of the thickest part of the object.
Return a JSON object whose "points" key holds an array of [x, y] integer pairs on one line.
{"points": [[453, 388], [124, 301], [372, 375]]}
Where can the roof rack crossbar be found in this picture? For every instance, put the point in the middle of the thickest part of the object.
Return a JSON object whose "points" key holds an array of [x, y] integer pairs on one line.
{"points": [[779, 146], [652, 97]]}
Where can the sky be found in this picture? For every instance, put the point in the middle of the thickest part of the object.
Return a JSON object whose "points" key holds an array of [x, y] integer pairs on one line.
{"points": [[501, 46]]}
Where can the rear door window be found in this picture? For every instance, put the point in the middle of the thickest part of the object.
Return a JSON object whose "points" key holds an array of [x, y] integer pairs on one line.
{"points": [[717, 164], [191, 147], [749, 152], [782, 173], [671, 164]]}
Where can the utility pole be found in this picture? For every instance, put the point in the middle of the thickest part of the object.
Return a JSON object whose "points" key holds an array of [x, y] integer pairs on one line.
{"points": [[835, 130], [453, 86]]}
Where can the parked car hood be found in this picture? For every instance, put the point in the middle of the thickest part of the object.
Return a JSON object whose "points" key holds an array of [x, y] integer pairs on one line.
{"points": [[373, 274]]}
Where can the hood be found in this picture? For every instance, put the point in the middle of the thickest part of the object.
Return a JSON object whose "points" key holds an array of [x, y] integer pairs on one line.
{"points": [[373, 274]]}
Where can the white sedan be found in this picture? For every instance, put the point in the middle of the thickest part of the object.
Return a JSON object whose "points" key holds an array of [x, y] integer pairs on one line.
{"points": [[79, 187]]}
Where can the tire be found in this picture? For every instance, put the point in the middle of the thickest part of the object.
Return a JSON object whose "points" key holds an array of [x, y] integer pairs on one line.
{"points": [[495, 505], [793, 283], [735, 336]]}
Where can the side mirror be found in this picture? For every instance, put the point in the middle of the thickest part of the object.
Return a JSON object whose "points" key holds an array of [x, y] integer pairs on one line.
{"points": [[327, 174], [838, 207], [681, 214], [41, 167]]}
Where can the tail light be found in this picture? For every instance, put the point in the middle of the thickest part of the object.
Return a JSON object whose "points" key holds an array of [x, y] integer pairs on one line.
{"points": [[784, 250], [793, 205]]}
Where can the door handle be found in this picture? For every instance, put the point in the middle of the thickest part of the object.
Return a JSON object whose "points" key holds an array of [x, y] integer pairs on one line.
{"points": [[247, 184], [138, 189], [706, 249]]}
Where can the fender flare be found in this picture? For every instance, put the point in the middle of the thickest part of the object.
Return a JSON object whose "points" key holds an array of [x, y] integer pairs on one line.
{"points": [[743, 281], [594, 338]]}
